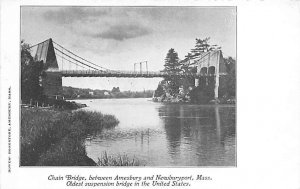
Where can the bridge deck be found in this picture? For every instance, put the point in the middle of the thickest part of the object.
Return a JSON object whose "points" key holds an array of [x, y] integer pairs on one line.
{"points": [[149, 74]]}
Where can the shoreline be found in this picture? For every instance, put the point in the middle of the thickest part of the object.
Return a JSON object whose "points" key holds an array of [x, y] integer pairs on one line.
{"points": [[56, 137], [229, 101], [202, 105], [168, 102], [70, 99]]}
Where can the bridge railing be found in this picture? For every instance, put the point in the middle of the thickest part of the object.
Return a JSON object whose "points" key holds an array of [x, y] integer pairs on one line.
{"points": [[132, 73], [123, 72], [110, 72]]}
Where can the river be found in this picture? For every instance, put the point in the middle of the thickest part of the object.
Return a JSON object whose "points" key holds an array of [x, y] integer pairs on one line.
{"points": [[160, 134]]}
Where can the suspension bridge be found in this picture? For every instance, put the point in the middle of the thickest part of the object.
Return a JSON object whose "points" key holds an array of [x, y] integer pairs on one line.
{"points": [[61, 62]]}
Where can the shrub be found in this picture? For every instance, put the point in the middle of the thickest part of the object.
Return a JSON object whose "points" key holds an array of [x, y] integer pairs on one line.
{"points": [[50, 137]]}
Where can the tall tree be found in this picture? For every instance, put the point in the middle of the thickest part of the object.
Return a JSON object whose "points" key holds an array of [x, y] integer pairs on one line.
{"points": [[201, 46], [172, 64], [31, 74]]}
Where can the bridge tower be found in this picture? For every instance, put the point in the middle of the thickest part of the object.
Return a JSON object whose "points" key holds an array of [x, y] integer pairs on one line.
{"points": [[52, 81], [212, 63]]}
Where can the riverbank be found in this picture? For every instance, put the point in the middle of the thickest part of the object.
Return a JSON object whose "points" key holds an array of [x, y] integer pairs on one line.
{"points": [[178, 100], [54, 104], [56, 138]]}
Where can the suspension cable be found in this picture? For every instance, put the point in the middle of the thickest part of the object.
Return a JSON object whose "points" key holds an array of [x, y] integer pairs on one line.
{"points": [[70, 61], [105, 69], [81, 57], [76, 60]]}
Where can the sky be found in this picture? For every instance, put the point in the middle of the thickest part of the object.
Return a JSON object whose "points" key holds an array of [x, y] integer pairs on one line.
{"points": [[118, 37]]}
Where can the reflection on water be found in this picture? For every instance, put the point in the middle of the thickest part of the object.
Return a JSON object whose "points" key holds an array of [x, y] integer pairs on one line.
{"points": [[200, 135], [166, 134]]}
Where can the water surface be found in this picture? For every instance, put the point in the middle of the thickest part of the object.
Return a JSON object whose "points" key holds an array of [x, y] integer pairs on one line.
{"points": [[166, 134]]}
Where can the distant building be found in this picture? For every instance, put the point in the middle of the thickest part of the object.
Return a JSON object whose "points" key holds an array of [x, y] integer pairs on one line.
{"points": [[91, 93]]}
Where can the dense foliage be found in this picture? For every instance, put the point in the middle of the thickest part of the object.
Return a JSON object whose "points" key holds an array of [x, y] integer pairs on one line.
{"points": [[172, 62], [31, 74], [231, 70]]}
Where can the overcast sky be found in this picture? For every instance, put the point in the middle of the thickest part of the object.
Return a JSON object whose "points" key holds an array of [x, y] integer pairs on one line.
{"points": [[117, 37]]}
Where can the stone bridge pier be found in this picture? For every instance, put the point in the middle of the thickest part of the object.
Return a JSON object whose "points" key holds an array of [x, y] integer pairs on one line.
{"points": [[52, 80], [212, 65]]}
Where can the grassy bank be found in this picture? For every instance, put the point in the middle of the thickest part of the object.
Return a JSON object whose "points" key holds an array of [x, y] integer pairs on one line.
{"points": [[120, 160], [55, 138]]}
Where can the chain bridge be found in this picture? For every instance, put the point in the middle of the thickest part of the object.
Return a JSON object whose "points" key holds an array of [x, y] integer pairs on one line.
{"points": [[60, 62]]}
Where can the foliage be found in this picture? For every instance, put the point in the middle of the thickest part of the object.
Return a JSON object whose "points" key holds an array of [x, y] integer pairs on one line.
{"points": [[172, 65], [230, 64], [201, 94], [120, 160], [205, 90], [172, 62], [115, 90], [31, 73], [201, 46], [72, 93], [51, 137], [160, 89]]}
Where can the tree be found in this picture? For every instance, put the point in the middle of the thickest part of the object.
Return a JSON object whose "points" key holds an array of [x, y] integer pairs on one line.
{"points": [[31, 74], [115, 90], [231, 82], [230, 64], [172, 62], [160, 89], [173, 66], [201, 46]]}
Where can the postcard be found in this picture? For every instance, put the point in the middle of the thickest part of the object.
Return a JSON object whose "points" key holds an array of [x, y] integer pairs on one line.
{"points": [[150, 94]]}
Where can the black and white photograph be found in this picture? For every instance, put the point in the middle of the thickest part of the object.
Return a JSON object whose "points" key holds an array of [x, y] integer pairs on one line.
{"points": [[149, 94], [128, 86]]}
